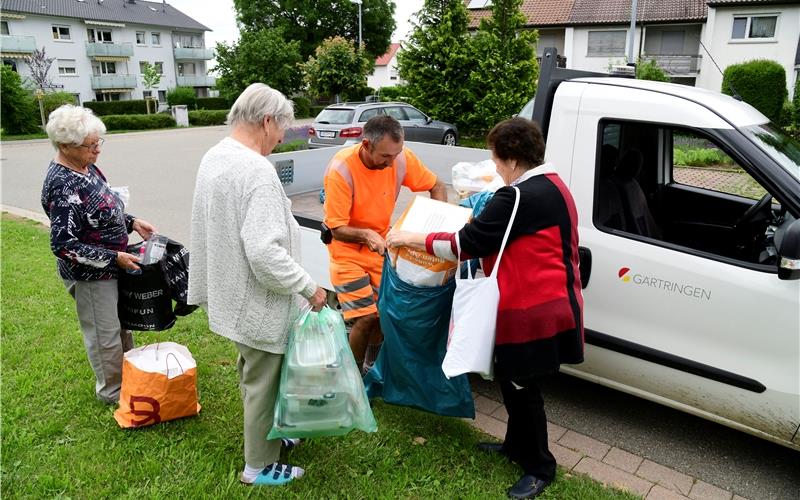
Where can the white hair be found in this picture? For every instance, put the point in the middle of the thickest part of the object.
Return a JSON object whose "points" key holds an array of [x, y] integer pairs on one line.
{"points": [[70, 124], [259, 101]]}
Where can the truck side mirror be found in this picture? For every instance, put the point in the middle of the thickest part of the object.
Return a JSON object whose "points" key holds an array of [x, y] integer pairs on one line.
{"points": [[789, 252]]}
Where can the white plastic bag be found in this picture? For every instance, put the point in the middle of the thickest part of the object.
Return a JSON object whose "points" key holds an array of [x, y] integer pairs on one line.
{"points": [[469, 178], [470, 347]]}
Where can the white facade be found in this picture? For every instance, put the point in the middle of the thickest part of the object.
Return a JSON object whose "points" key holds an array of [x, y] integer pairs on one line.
{"points": [[600, 56], [99, 60], [727, 50], [385, 75]]}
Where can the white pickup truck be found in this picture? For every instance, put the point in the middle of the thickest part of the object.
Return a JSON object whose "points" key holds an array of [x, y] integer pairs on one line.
{"points": [[691, 275]]}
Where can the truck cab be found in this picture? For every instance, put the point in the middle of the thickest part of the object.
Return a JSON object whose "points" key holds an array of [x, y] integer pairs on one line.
{"points": [[688, 203]]}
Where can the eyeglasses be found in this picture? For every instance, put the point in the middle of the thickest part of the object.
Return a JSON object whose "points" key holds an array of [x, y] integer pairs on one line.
{"points": [[92, 146]]}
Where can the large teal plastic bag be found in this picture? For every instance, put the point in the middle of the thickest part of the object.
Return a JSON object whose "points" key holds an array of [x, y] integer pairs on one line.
{"points": [[321, 392], [408, 372]]}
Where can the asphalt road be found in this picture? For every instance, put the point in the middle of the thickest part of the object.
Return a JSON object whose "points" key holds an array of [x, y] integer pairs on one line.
{"points": [[159, 168]]}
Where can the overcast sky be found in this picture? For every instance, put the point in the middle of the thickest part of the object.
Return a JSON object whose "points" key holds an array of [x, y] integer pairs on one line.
{"points": [[221, 18]]}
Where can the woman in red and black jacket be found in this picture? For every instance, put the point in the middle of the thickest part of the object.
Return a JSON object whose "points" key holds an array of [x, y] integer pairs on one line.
{"points": [[540, 313]]}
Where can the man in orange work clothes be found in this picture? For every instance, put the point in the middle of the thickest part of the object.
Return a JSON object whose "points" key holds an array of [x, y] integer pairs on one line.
{"points": [[362, 183]]}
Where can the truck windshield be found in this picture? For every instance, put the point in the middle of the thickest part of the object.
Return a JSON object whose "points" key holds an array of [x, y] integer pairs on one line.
{"points": [[782, 148]]}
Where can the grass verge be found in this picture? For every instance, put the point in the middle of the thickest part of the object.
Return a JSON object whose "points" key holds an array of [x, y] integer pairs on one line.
{"points": [[58, 441]]}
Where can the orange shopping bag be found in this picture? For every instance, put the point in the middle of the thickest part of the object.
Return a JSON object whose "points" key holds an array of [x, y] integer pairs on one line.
{"points": [[159, 383]]}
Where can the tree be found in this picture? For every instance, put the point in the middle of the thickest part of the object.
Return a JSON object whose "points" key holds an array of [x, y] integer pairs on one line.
{"points": [[40, 64], [504, 78], [150, 80], [310, 22], [436, 62], [337, 68], [18, 112], [259, 56]]}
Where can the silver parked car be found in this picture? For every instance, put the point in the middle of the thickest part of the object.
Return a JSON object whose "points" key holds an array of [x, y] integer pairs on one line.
{"points": [[343, 123]]}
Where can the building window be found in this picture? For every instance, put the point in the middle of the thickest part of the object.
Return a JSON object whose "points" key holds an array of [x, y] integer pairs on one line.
{"points": [[111, 96], [147, 93], [188, 40], [61, 33], [4, 28], [606, 43], [185, 69], [754, 27], [66, 67], [142, 66], [140, 38], [99, 36], [104, 68], [162, 96], [155, 38], [159, 67]]}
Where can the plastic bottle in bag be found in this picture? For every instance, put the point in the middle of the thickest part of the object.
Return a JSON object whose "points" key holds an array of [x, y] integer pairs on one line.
{"points": [[154, 249]]}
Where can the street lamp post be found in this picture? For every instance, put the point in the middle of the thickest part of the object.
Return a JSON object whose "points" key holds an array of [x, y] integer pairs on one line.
{"points": [[358, 2]]}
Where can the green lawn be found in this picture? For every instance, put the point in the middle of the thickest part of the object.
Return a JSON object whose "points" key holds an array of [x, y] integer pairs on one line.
{"points": [[58, 441]]}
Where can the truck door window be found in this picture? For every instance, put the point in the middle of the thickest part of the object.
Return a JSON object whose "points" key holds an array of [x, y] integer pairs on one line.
{"points": [[676, 187]]}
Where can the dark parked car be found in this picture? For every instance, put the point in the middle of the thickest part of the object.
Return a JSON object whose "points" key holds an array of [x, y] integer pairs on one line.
{"points": [[343, 123]]}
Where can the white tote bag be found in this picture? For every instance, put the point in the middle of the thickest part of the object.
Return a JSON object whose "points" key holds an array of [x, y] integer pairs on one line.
{"points": [[470, 347]]}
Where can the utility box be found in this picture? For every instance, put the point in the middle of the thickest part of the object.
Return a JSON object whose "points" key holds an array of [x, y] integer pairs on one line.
{"points": [[181, 114]]}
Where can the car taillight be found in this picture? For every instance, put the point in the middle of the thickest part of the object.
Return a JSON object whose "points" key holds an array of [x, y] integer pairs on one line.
{"points": [[311, 131], [351, 132]]}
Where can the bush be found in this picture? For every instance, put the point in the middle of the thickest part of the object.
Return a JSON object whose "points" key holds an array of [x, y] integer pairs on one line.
{"points": [[796, 104], [761, 83], [302, 107], [290, 146], [359, 93], [213, 103], [700, 157], [53, 100], [138, 122], [19, 113], [132, 107], [395, 93], [315, 110], [208, 117], [182, 95], [786, 115], [649, 70]]}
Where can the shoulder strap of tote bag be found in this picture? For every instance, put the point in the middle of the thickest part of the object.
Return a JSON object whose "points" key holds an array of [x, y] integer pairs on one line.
{"points": [[508, 231], [502, 245]]}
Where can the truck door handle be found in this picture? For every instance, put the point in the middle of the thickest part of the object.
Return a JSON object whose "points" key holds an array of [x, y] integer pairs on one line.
{"points": [[585, 260]]}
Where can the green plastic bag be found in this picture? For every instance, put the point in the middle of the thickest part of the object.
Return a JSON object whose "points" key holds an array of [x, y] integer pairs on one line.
{"points": [[321, 392]]}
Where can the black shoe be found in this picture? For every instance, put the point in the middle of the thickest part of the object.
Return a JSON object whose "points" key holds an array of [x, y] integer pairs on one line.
{"points": [[527, 487], [491, 447]]}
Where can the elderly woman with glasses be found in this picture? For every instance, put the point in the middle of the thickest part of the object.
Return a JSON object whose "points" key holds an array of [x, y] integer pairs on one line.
{"points": [[245, 271], [89, 236]]}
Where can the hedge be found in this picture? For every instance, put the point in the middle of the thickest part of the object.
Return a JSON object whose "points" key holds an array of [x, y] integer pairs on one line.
{"points": [[213, 103], [53, 100], [138, 122], [393, 93], [761, 83], [315, 110], [208, 117], [302, 107], [796, 104], [103, 108]]}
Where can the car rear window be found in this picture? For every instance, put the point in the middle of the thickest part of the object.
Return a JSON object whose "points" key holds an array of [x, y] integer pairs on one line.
{"points": [[335, 116]]}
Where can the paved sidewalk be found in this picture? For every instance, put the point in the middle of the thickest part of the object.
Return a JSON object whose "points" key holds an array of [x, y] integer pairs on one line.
{"points": [[607, 464]]}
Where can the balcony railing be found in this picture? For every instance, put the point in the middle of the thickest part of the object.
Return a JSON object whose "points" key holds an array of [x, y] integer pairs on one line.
{"points": [[10, 44], [194, 53], [109, 49], [676, 65], [197, 81], [100, 82]]}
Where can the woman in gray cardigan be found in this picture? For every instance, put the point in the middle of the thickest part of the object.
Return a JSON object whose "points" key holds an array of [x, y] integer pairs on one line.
{"points": [[245, 248]]}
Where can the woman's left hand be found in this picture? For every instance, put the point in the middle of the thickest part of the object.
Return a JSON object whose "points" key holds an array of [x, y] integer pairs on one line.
{"points": [[144, 228]]}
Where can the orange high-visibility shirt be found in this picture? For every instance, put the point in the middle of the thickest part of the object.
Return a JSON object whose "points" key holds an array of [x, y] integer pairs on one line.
{"points": [[359, 197]]}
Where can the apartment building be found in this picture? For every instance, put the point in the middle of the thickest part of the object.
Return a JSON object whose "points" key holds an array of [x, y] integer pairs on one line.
{"points": [[689, 39], [100, 46]]}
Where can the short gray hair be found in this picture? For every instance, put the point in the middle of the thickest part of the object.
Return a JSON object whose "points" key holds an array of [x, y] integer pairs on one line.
{"points": [[379, 126], [259, 101], [70, 124]]}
